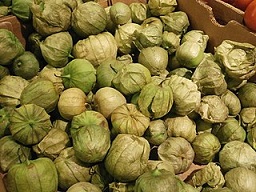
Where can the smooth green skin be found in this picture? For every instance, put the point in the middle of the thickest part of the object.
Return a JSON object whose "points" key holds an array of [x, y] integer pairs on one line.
{"points": [[39, 175], [26, 65]]}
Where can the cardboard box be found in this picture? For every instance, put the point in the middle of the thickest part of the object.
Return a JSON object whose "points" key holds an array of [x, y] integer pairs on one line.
{"points": [[217, 19], [12, 23]]}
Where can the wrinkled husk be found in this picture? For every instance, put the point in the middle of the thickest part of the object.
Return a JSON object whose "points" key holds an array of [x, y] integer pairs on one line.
{"points": [[52, 144], [33, 174], [161, 7], [232, 102], [87, 118], [84, 187], [50, 17], [212, 109], [96, 48], [251, 137], [100, 176], [154, 58], [4, 71], [241, 179], [156, 133], [4, 10], [131, 78], [170, 42], [61, 124], [121, 187], [139, 11], [235, 154], [106, 71], [210, 174], [11, 88], [21, 9], [89, 18], [10, 45], [234, 84], [128, 119], [53, 74], [155, 100], [246, 94], [127, 157], [181, 71], [5, 114], [150, 35], [17, 153], [206, 146], [110, 26], [91, 143], [197, 36], [159, 164], [176, 22], [229, 130], [33, 42], [209, 78], [237, 59], [70, 169], [158, 180], [178, 151], [29, 124], [209, 189], [56, 49], [124, 36], [202, 126], [248, 117], [181, 126], [40, 92], [186, 95]]}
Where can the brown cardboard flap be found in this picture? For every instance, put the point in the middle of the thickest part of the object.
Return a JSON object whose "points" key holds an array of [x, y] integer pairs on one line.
{"points": [[201, 17], [11, 23], [2, 188], [224, 12]]}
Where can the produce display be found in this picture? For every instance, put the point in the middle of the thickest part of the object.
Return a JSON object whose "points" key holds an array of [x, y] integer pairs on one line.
{"points": [[123, 98], [249, 8]]}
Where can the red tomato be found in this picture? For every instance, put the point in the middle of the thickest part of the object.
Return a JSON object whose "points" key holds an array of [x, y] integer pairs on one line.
{"points": [[241, 4], [250, 16]]}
